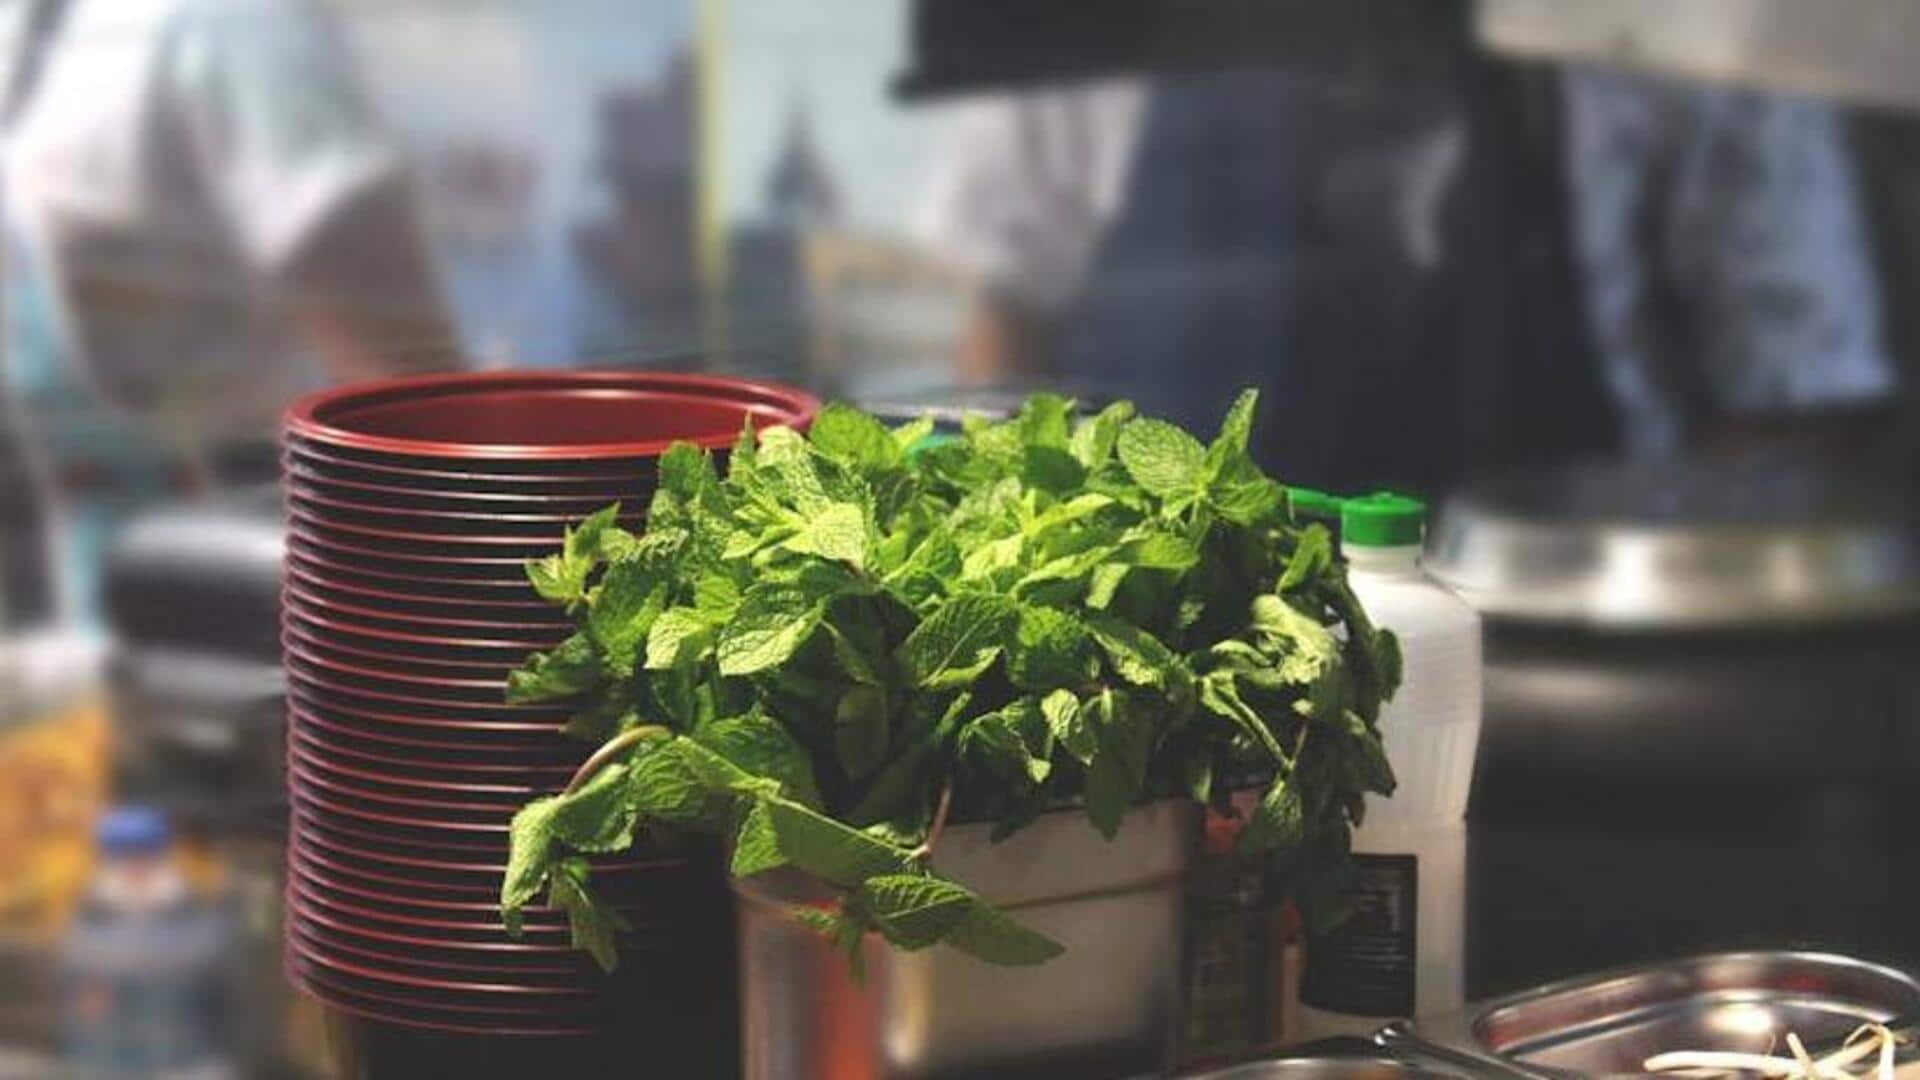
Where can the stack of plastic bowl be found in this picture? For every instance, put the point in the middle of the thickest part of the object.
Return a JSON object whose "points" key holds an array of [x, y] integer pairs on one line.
{"points": [[412, 507]]}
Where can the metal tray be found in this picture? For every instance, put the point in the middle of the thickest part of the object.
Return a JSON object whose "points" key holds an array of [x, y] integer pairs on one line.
{"points": [[1608, 1024]]}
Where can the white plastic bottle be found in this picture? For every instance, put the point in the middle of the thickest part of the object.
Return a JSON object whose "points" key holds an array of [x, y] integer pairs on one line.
{"points": [[1404, 950]]}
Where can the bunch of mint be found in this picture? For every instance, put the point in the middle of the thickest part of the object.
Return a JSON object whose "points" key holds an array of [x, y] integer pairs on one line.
{"points": [[853, 635]]}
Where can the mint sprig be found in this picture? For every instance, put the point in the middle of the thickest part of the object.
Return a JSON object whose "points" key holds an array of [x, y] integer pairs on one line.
{"points": [[821, 653]]}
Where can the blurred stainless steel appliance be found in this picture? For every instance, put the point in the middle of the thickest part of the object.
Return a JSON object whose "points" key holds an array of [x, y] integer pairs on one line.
{"points": [[1674, 633], [1609, 1024], [1856, 50], [193, 604]]}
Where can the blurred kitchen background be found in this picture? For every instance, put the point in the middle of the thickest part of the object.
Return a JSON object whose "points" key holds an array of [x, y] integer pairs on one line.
{"points": [[1627, 285]]}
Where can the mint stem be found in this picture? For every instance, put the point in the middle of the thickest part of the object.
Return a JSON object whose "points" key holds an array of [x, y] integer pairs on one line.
{"points": [[613, 748]]}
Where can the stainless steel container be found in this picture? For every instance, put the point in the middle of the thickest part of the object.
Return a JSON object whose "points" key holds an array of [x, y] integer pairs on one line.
{"points": [[1329, 1068], [1106, 1007], [1609, 1024]]}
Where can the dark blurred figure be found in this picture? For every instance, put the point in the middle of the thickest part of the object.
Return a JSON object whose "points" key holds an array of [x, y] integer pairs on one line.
{"points": [[204, 217], [1433, 264]]}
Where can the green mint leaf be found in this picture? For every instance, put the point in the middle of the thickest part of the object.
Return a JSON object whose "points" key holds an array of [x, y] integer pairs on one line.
{"points": [[846, 433], [1094, 439], [1052, 468], [1311, 557], [839, 532], [570, 669], [1365, 758], [529, 859], [1000, 741], [909, 435], [1136, 656], [1306, 648], [759, 745], [1069, 726], [1278, 823], [666, 787], [716, 597], [558, 580], [961, 639], [773, 621], [860, 730], [1045, 420], [582, 543], [1050, 649], [599, 817], [1161, 458], [631, 596], [989, 935], [832, 851], [680, 637], [1119, 768], [914, 911], [1220, 695], [756, 847], [595, 927], [1156, 550], [1236, 429]]}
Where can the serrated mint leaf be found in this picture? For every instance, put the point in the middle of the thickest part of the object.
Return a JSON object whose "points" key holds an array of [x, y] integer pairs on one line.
{"points": [[1238, 425], [772, 623], [570, 669], [909, 435], [1050, 649], [1070, 728], [952, 646], [1306, 648], [1279, 822], [1045, 420], [1136, 656], [679, 637], [1161, 458], [989, 935], [595, 927], [756, 847], [1365, 758], [630, 597], [760, 746], [846, 433], [1093, 439], [582, 543], [529, 859], [1220, 695], [716, 597], [860, 730], [599, 817], [665, 786], [1311, 557], [1125, 738], [1156, 550], [1052, 468], [914, 911], [830, 850], [837, 532], [1001, 741]]}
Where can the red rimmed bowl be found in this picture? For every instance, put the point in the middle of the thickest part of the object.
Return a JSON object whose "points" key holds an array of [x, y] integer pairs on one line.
{"points": [[370, 579], [394, 700], [408, 643], [358, 653], [417, 783], [489, 572], [424, 543], [544, 748], [529, 632], [528, 422], [438, 925], [438, 1021], [509, 609], [467, 812], [559, 477], [403, 879], [536, 524], [548, 765], [389, 493], [473, 870]]}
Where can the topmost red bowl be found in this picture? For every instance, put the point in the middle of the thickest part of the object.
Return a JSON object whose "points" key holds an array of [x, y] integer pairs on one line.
{"points": [[544, 416]]}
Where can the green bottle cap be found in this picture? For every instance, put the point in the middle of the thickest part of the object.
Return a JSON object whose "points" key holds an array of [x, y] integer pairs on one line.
{"points": [[1314, 505], [1383, 520]]}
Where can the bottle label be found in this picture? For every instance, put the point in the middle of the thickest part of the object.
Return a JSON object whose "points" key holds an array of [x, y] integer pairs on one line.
{"points": [[1366, 967]]}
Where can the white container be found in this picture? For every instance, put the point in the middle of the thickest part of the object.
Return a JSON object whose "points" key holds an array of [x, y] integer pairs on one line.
{"points": [[1106, 1007], [1405, 949]]}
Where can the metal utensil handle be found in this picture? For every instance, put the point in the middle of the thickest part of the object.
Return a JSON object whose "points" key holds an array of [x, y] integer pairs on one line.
{"points": [[1400, 1037]]}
